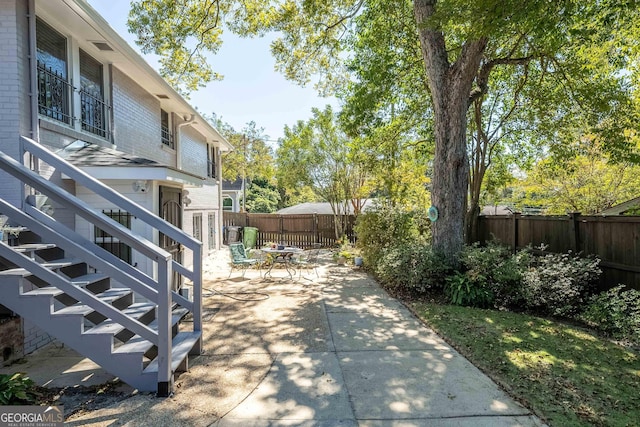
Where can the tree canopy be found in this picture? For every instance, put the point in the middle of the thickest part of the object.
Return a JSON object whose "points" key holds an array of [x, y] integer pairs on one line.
{"points": [[428, 61]]}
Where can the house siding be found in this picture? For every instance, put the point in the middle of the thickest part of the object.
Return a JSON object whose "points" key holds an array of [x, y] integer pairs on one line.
{"points": [[205, 200], [14, 69], [193, 150], [146, 200], [136, 121], [136, 130]]}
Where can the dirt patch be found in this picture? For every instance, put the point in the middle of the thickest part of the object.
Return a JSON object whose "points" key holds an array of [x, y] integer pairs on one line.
{"points": [[77, 400]]}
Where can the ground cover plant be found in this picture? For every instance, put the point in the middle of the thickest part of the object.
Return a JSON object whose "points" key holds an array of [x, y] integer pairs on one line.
{"points": [[569, 376]]}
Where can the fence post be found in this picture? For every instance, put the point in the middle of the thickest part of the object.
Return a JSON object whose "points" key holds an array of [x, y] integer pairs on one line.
{"points": [[574, 230], [281, 229], [514, 237], [316, 238]]}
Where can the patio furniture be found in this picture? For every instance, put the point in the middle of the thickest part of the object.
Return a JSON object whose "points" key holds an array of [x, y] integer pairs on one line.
{"points": [[308, 260], [239, 259], [283, 257]]}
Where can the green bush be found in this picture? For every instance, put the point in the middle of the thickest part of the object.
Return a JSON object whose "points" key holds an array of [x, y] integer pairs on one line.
{"points": [[615, 312], [462, 290], [385, 227], [495, 269], [412, 267], [560, 284], [16, 389]]}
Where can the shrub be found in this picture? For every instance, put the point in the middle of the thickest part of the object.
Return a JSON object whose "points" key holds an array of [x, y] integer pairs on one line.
{"points": [[412, 267], [559, 284], [385, 227], [461, 290], [16, 389], [615, 312], [495, 268]]}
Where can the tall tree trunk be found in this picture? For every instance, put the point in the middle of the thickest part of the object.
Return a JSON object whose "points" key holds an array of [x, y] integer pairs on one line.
{"points": [[478, 169], [450, 86]]}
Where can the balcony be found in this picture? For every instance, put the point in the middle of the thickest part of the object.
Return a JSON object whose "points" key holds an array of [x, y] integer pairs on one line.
{"points": [[54, 95], [55, 101], [167, 137], [94, 113]]}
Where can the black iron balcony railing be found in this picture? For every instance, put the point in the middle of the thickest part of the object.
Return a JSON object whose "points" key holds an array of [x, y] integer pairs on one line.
{"points": [[167, 137], [54, 94], [94, 113], [55, 101]]}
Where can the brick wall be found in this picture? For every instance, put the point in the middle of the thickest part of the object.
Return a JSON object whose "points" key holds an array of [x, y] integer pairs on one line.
{"points": [[193, 149], [137, 120], [14, 84], [34, 337], [11, 339]]}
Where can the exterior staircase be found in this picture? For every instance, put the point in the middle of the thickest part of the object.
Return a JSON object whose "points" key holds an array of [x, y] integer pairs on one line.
{"points": [[124, 320]]}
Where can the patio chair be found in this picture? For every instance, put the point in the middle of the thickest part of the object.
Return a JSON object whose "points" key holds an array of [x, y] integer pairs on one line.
{"points": [[308, 260], [239, 259]]}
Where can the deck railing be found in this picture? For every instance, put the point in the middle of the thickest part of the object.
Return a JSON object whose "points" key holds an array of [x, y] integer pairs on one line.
{"points": [[157, 290]]}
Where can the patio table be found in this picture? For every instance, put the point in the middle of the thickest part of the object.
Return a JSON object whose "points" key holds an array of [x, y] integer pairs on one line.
{"points": [[282, 256]]}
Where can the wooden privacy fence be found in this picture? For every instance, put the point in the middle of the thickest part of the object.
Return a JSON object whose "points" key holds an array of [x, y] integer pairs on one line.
{"points": [[301, 231], [614, 239]]}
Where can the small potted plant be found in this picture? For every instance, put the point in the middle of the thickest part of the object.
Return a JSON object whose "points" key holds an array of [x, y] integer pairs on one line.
{"points": [[345, 253]]}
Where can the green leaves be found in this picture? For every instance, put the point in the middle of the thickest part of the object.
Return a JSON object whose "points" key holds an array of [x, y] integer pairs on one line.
{"points": [[16, 389], [181, 34]]}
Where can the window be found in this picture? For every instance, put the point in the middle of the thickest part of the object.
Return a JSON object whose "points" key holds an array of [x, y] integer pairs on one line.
{"points": [[227, 204], [197, 226], [211, 161], [54, 90], [110, 243], [212, 231], [165, 129], [93, 107]]}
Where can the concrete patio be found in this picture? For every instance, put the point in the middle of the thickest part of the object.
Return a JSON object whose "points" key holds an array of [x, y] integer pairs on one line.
{"points": [[333, 351]]}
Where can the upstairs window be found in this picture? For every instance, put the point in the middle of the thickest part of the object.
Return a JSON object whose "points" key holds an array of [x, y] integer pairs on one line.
{"points": [[93, 108], [54, 89], [211, 161], [165, 128]]}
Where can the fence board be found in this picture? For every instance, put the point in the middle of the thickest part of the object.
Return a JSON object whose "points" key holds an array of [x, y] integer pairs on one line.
{"points": [[303, 230], [614, 239]]}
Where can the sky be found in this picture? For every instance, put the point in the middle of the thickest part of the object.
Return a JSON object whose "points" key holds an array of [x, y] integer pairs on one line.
{"points": [[251, 89]]}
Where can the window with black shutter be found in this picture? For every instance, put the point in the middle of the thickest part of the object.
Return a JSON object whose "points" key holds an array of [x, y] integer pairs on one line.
{"points": [[54, 89], [211, 161], [92, 95], [165, 127]]}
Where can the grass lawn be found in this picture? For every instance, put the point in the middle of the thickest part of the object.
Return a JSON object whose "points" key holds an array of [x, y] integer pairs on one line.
{"points": [[567, 375]]}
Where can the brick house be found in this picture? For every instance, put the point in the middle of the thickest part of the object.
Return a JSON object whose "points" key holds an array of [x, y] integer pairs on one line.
{"points": [[110, 195]]}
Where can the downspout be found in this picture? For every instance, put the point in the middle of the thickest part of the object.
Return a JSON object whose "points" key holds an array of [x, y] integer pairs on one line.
{"points": [[189, 121], [33, 162], [33, 70]]}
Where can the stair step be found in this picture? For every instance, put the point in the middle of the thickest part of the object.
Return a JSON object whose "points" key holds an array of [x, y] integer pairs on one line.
{"points": [[137, 344], [31, 247], [136, 311], [181, 346], [47, 290], [87, 279], [107, 297], [53, 265]]}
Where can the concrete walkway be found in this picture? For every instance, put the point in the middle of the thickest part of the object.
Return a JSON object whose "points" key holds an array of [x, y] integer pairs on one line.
{"points": [[334, 351]]}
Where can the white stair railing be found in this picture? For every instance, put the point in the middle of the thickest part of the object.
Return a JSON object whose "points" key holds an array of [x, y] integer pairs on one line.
{"points": [[158, 290]]}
